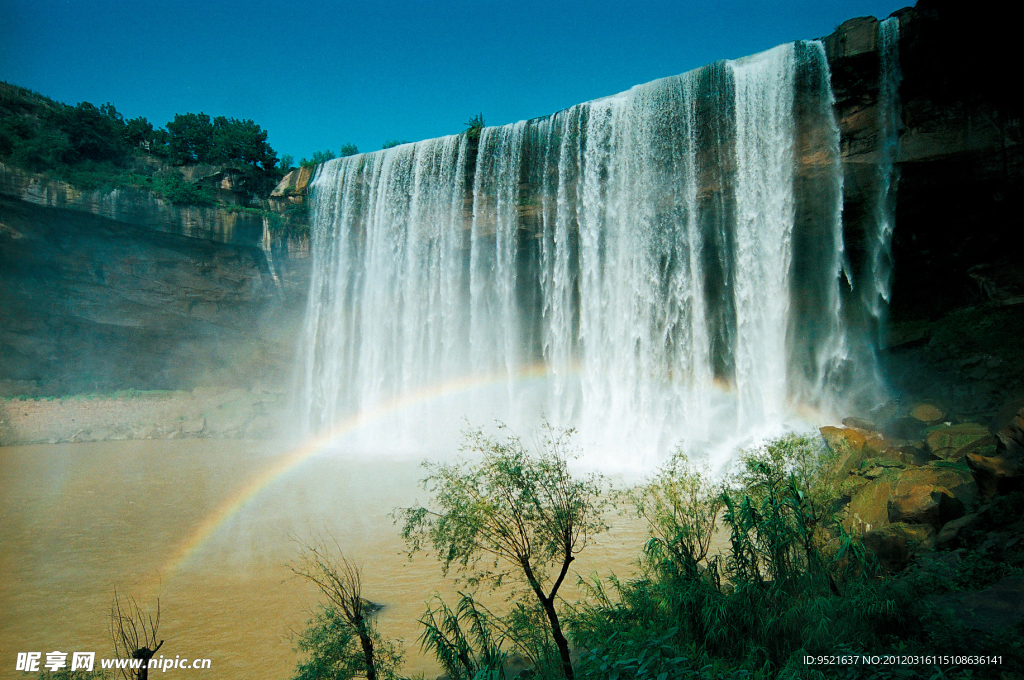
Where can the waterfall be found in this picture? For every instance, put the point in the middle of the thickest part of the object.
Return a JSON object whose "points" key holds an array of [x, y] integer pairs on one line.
{"points": [[880, 242], [666, 260]]}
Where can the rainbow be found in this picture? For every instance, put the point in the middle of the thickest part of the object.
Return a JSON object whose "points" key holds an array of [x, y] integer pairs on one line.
{"points": [[233, 504]]}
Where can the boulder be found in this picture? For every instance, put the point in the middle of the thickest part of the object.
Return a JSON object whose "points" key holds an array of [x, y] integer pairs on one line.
{"points": [[868, 508], [1011, 436], [895, 544], [848, 446], [1001, 467], [907, 428], [928, 413], [953, 442], [859, 424], [955, 480], [929, 505], [909, 454], [843, 440]]}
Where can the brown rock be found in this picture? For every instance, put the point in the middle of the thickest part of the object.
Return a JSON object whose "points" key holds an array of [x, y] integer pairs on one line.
{"points": [[928, 413], [1003, 466], [950, 441], [895, 544], [842, 440], [956, 481], [868, 508], [848, 446], [929, 505], [1011, 436]]}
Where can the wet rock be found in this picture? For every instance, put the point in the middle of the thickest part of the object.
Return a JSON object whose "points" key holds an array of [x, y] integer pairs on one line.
{"points": [[895, 544], [868, 508], [859, 424], [993, 609], [907, 428], [941, 564], [1011, 436], [952, 442], [911, 455], [929, 505], [928, 413], [1001, 468], [842, 440], [957, 481]]}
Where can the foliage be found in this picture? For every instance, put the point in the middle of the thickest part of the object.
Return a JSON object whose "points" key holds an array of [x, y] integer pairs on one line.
{"points": [[791, 583], [178, 190], [513, 516], [341, 640], [319, 157], [94, 147], [465, 640], [333, 650], [474, 126], [348, 150], [285, 164], [681, 506], [194, 138], [393, 142]]}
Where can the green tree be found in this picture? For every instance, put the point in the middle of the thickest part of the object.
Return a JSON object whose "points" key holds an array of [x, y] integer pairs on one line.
{"points": [[512, 514], [93, 133], [341, 641], [242, 141], [681, 506], [191, 137], [393, 143], [348, 150]]}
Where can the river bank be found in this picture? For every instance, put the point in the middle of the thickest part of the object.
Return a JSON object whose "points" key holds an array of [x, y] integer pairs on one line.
{"points": [[201, 413]]}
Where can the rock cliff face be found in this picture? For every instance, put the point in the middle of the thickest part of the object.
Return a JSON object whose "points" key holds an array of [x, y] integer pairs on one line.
{"points": [[957, 286], [110, 290]]}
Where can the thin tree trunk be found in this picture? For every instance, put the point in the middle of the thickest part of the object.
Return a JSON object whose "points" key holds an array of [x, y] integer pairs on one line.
{"points": [[560, 641], [364, 639]]}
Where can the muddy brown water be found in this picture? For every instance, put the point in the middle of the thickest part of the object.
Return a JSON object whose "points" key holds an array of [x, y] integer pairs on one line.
{"points": [[78, 521]]}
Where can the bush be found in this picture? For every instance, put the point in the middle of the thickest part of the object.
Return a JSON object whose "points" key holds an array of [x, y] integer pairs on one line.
{"points": [[178, 190]]}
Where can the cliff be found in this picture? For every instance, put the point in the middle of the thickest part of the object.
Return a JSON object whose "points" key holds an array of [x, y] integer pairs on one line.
{"points": [[955, 314], [106, 290]]}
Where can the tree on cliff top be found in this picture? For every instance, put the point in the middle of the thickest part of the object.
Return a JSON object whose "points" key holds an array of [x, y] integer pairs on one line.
{"points": [[512, 515], [194, 138]]}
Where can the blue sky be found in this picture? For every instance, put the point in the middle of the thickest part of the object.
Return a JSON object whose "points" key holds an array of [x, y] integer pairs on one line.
{"points": [[318, 75]]}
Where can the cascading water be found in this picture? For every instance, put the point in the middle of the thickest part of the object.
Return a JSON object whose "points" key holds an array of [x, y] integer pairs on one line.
{"points": [[669, 259], [880, 241]]}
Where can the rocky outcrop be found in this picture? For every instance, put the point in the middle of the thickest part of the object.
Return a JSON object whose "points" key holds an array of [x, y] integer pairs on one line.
{"points": [[965, 490], [293, 186]]}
